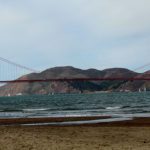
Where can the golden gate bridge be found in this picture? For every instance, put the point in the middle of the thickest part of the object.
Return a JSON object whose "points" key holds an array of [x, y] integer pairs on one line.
{"points": [[10, 72]]}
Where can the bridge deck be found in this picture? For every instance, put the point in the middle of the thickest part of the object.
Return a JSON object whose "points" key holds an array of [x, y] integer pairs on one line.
{"points": [[78, 79]]}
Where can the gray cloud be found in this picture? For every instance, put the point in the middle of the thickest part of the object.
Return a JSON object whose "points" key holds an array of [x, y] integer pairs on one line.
{"points": [[83, 33]]}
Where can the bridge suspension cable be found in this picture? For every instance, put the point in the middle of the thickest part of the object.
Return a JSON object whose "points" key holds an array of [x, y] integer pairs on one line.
{"points": [[11, 71], [18, 65], [142, 67]]}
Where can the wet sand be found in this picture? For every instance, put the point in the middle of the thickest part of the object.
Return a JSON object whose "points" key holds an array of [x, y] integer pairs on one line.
{"points": [[18, 121], [125, 135]]}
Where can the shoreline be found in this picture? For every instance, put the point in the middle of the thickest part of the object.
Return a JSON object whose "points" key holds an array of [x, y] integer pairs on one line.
{"points": [[94, 121], [19, 121]]}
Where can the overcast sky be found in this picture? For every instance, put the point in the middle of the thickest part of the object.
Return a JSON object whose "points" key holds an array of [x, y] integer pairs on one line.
{"points": [[81, 33]]}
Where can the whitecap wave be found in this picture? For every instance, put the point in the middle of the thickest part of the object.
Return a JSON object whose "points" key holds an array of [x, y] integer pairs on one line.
{"points": [[35, 109], [112, 108]]}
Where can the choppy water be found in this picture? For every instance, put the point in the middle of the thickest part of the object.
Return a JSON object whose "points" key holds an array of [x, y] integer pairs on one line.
{"points": [[121, 105]]}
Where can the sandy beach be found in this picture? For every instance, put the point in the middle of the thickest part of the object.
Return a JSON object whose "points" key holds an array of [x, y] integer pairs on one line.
{"points": [[127, 135]]}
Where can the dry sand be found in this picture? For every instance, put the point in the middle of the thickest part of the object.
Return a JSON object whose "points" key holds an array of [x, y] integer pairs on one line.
{"points": [[112, 136], [74, 138]]}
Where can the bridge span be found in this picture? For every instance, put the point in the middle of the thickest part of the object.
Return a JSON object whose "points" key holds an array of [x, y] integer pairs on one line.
{"points": [[10, 72], [77, 79]]}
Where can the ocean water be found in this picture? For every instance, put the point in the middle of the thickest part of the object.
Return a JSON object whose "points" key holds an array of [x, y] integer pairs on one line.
{"points": [[61, 105]]}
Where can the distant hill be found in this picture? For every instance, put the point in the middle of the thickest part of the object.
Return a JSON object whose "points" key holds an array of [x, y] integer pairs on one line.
{"points": [[75, 86]]}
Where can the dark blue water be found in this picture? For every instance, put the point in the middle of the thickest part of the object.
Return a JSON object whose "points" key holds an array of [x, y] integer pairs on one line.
{"points": [[60, 105]]}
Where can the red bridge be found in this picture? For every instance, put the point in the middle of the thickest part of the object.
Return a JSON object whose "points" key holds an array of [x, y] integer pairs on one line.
{"points": [[10, 72]]}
